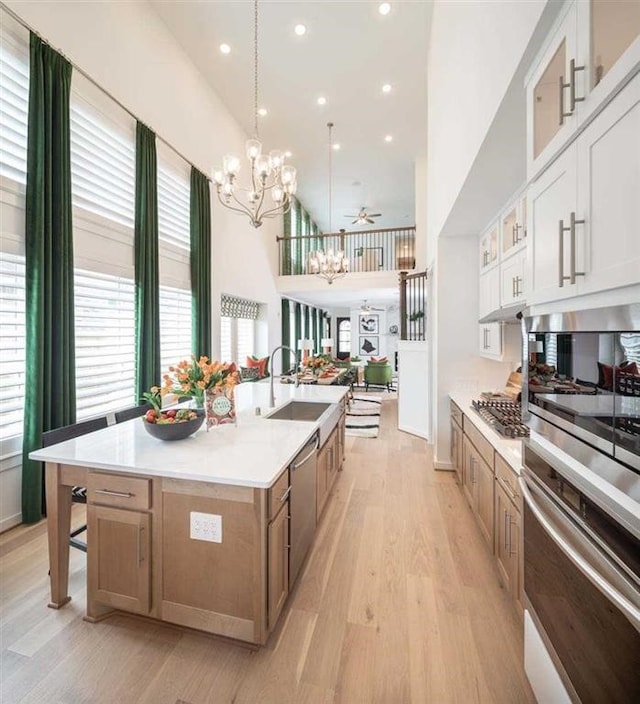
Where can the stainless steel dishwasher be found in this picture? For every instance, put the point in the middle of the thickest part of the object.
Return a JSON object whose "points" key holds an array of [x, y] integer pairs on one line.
{"points": [[302, 505]]}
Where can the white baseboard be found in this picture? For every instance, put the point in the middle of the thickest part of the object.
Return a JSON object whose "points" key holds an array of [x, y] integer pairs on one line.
{"points": [[10, 522], [444, 466], [413, 431]]}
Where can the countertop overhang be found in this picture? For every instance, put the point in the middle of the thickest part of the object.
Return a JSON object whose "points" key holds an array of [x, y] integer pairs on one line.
{"points": [[251, 453]]}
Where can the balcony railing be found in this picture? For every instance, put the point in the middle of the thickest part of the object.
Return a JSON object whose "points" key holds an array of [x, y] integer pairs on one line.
{"points": [[413, 305], [391, 249]]}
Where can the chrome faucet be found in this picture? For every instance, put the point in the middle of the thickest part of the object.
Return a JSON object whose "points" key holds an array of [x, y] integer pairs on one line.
{"points": [[272, 397]]}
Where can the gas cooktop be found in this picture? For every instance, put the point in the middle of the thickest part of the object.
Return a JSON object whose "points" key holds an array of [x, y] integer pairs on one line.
{"points": [[503, 416]]}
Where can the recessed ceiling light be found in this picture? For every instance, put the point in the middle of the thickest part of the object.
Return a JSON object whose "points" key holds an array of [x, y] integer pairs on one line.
{"points": [[384, 8], [386, 88], [300, 30], [336, 147], [288, 154], [322, 100], [225, 49], [388, 138], [262, 112]]}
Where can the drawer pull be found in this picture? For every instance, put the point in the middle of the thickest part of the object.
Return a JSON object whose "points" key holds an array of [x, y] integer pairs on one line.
{"points": [[284, 495], [121, 494], [507, 487]]}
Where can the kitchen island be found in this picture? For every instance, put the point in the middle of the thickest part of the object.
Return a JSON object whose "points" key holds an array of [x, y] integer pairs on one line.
{"points": [[145, 499]]}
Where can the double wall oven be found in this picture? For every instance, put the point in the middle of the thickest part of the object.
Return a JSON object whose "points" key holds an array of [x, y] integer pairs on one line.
{"points": [[581, 521]]}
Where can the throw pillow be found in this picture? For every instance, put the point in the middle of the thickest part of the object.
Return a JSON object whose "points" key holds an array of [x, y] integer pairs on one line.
{"points": [[249, 373], [605, 376], [260, 364], [378, 360]]}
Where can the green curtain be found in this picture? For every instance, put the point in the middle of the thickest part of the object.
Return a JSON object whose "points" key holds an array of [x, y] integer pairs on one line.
{"points": [[307, 330], [320, 328], [298, 233], [200, 226], [306, 241], [298, 325], [285, 253], [148, 371], [50, 400], [286, 335], [314, 330]]}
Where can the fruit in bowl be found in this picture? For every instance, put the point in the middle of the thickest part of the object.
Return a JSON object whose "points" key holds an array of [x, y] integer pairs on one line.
{"points": [[172, 424]]}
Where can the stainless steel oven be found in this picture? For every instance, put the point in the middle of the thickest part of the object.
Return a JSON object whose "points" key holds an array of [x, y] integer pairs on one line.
{"points": [[581, 515], [581, 582]]}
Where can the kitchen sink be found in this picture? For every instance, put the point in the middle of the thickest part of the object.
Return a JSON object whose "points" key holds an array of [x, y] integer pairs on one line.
{"points": [[300, 410], [326, 415]]}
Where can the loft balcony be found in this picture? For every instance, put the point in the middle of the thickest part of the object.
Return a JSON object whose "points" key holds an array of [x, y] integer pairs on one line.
{"points": [[368, 251]]}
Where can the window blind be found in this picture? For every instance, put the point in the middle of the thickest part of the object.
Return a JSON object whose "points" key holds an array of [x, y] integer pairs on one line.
{"points": [[226, 351], [246, 339], [102, 162], [173, 203], [14, 99], [105, 343], [12, 349], [235, 307], [175, 326]]}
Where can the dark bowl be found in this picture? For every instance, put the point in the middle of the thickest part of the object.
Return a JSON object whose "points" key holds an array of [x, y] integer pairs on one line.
{"points": [[174, 431]]}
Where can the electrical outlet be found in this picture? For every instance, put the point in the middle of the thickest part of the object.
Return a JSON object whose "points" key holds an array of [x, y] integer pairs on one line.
{"points": [[205, 526]]}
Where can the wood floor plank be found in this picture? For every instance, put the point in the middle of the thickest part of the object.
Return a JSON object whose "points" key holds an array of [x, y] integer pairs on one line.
{"points": [[399, 601]]}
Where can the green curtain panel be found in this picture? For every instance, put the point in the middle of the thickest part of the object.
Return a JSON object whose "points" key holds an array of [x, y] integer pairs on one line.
{"points": [[320, 328], [50, 341], [307, 327], [200, 224], [298, 233], [285, 253], [314, 329], [298, 325], [305, 243], [286, 335], [146, 263]]}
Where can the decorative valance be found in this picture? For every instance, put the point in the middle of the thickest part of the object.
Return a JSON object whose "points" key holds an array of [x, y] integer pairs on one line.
{"points": [[234, 307]]}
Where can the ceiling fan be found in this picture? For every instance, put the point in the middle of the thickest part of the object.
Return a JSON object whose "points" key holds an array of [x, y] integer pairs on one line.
{"points": [[365, 308], [362, 218]]}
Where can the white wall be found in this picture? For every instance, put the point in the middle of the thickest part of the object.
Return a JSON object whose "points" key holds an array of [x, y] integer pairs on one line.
{"points": [[457, 365], [475, 48], [127, 50]]}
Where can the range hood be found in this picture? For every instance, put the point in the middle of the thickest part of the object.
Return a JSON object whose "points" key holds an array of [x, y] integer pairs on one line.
{"points": [[508, 314]]}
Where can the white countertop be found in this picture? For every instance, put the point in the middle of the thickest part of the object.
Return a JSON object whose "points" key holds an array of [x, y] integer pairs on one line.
{"points": [[509, 450], [252, 453]]}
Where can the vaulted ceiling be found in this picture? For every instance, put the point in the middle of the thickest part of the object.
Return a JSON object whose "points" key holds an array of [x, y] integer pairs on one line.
{"points": [[349, 51]]}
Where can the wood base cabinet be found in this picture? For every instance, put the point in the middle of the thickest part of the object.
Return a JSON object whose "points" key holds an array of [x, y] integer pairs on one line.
{"points": [[457, 459], [478, 487], [508, 542], [278, 568], [326, 470]]}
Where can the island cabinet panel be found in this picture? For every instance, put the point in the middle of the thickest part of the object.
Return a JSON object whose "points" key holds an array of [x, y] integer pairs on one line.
{"points": [[278, 564], [342, 425], [215, 586], [326, 471], [119, 558]]}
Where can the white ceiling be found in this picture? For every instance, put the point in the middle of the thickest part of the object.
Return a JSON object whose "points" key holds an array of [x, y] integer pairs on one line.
{"points": [[347, 54]]}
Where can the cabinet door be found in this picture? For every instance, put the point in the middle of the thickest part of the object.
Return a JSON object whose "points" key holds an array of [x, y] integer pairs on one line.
{"points": [[489, 293], [503, 511], [332, 459], [609, 193], [484, 488], [341, 440], [278, 580], [119, 558], [489, 248], [550, 118], [490, 340], [512, 277], [552, 199], [456, 450], [609, 48], [322, 489], [470, 460]]}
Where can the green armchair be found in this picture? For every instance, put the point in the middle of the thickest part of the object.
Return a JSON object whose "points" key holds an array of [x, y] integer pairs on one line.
{"points": [[377, 374]]}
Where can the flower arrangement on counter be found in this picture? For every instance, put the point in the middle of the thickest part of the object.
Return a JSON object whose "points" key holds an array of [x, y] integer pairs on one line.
{"points": [[193, 377], [318, 362]]}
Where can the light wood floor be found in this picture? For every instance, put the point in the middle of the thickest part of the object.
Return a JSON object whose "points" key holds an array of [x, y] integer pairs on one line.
{"points": [[398, 602]]}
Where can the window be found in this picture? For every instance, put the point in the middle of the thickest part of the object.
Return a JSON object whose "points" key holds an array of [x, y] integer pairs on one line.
{"points": [[238, 329], [105, 342], [102, 192], [175, 326], [344, 337], [14, 102], [174, 244]]}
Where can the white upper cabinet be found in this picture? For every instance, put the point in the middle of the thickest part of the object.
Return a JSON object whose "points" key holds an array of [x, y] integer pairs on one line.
{"points": [[489, 298], [489, 248], [512, 278], [594, 47], [608, 154], [513, 227], [556, 247]]}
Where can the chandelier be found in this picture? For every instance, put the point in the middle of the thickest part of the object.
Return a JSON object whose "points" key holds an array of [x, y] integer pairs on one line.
{"points": [[273, 183], [330, 265]]}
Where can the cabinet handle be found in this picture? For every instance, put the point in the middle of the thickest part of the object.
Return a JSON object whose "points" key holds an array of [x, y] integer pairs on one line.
{"points": [[488, 338], [140, 545], [513, 287], [121, 494], [284, 495], [511, 552], [507, 487], [506, 531], [571, 85], [561, 230], [519, 281], [572, 253]]}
